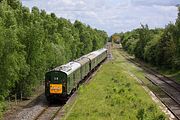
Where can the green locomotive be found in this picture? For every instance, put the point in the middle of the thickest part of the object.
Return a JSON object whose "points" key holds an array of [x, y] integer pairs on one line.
{"points": [[61, 81]]}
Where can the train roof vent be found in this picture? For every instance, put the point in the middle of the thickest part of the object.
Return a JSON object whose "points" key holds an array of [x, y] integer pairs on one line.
{"points": [[66, 67]]}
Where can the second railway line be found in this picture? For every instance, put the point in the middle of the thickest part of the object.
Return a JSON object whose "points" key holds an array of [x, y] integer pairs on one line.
{"points": [[170, 90]]}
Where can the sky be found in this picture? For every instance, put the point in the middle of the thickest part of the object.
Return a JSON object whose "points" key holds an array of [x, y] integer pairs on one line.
{"points": [[113, 16]]}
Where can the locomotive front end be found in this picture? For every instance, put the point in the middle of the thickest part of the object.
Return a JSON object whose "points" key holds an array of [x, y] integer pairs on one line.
{"points": [[55, 85]]}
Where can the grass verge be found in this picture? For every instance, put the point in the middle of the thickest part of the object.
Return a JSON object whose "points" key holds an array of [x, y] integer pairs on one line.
{"points": [[114, 94]]}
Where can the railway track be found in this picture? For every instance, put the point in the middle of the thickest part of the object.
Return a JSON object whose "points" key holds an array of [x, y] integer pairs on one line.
{"points": [[170, 90], [49, 112], [168, 100]]}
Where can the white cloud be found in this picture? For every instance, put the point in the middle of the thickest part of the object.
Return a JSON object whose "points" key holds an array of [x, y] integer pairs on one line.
{"points": [[112, 15], [155, 2]]}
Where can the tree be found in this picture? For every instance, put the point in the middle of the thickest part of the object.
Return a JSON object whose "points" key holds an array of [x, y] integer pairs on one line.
{"points": [[166, 48], [144, 38]]}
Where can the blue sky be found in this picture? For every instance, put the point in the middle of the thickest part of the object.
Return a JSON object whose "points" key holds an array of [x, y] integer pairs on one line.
{"points": [[112, 15]]}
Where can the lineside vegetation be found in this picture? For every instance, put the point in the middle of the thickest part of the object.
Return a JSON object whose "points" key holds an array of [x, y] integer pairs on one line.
{"points": [[113, 94]]}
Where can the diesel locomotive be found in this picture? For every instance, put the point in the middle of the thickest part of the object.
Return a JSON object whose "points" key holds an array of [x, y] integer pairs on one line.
{"points": [[61, 81]]}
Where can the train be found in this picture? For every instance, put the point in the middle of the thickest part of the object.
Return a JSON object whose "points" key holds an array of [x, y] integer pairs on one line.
{"points": [[63, 80]]}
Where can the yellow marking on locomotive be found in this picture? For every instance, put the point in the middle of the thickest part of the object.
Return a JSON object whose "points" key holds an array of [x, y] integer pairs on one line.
{"points": [[55, 88]]}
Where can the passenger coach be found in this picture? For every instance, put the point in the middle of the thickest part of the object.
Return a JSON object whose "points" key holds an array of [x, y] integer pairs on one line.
{"points": [[61, 81]]}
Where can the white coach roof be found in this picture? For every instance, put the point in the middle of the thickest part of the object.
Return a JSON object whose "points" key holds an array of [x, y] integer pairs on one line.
{"points": [[96, 53], [69, 67], [100, 51], [72, 66]]}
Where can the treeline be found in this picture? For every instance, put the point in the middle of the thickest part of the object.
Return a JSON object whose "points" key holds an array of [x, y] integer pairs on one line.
{"points": [[160, 47], [31, 42]]}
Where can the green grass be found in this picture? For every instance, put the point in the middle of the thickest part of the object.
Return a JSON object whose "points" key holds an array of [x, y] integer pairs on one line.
{"points": [[114, 94]]}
